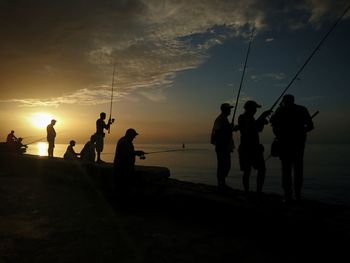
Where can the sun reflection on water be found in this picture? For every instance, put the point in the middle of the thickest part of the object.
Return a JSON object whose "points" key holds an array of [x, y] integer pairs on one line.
{"points": [[42, 148]]}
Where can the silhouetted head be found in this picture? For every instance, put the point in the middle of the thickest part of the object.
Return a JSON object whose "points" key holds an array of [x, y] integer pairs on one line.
{"points": [[226, 108], [20, 139], [12, 132], [131, 134], [103, 115], [53, 122], [72, 143], [287, 100], [251, 106]]}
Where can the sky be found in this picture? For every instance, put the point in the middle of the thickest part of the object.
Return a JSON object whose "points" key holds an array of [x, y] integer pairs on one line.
{"points": [[176, 62]]}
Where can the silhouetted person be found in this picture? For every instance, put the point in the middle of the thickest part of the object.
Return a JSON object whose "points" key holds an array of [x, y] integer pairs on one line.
{"points": [[251, 152], [70, 154], [11, 138], [19, 146], [51, 135], [87, 154], [290, 124], [100, 127], [221, 137], [124, 160]]}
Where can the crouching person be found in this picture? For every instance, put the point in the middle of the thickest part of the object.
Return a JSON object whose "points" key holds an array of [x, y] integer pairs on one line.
{"points": [[87, 154], [124, 162], [70, 154]]}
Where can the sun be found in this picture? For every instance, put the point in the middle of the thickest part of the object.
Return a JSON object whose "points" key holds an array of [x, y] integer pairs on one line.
{"points": [[41, 119]]}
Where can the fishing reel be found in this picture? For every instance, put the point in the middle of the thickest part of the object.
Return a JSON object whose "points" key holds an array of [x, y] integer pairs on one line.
{"points": [[142, 157]]}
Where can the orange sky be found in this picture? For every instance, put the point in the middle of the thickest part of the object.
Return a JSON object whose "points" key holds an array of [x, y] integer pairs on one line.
{"points": [[176, 62]]}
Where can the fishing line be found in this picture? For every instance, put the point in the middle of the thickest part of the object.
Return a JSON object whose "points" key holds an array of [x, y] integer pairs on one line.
{"points": [[310, 56]]}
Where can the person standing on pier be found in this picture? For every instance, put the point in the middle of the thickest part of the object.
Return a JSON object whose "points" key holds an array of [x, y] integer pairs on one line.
{"points": [[99, 136], [250, 151], [290, 124], [51, 135], [221, 137]]}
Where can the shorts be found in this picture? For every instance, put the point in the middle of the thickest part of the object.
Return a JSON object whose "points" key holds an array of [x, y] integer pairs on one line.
{"points": [[99, 142], [51, 143], [251, 156]]}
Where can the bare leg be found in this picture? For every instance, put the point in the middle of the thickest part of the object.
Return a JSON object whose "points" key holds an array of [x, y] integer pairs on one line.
{"points": [[246, 175]]}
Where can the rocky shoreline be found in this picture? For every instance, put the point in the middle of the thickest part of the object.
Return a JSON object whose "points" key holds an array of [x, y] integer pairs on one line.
{"points": [[57, 211]]}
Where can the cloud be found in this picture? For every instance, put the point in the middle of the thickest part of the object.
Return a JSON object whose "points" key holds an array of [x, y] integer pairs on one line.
{"points": [[83, 97], [55, 51], [325, 9]]}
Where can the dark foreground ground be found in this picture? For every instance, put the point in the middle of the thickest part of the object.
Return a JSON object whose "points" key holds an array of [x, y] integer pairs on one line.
{"points": [[54, 211]]}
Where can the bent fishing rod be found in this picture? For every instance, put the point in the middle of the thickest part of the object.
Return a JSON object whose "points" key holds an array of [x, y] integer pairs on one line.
{"points": [[310, 57], [243, 73], [38, 140], [111, 105], [166, 151]]}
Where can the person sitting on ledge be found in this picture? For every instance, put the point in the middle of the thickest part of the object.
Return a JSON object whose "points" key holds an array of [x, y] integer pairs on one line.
{"points": [[70, 154], [19, 146], [11, 138]]}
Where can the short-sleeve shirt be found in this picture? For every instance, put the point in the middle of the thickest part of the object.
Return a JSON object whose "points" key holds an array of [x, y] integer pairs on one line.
{"points": [[290, 124], [221, 135]]}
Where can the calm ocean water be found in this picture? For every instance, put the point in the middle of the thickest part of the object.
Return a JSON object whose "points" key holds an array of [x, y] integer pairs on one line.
{"points": [[327, 167]]}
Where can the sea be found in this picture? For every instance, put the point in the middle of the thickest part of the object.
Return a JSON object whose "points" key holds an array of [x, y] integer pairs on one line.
{"points": [[326, 167]]}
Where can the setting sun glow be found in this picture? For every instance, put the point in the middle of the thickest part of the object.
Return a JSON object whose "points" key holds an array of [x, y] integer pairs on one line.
{"points": [[42, 148], [41, 120]]}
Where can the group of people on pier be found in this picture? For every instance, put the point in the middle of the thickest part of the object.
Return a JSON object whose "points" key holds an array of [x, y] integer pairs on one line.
{"points": [[93, 146], [290, 124]]}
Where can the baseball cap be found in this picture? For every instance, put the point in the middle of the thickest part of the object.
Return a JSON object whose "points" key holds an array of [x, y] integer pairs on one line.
{"points": [[251, 104], [226, 106], [131, 132]]}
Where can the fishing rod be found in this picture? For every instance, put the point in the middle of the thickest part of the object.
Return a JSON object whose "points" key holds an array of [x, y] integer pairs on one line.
{"points": [[310, 56], [166, 151], [243, 73], [314, 115], [142, 157], [38, 140], [111, 105]]}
